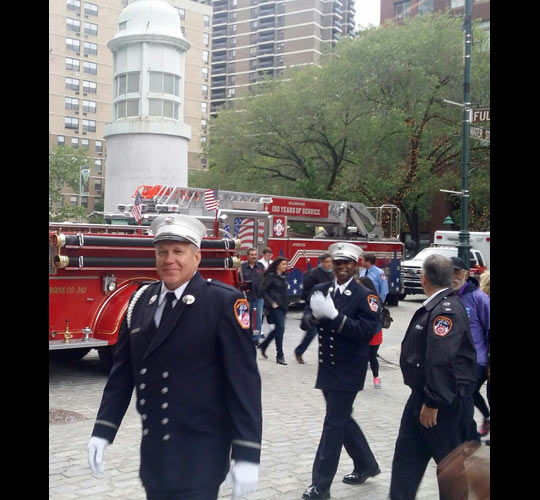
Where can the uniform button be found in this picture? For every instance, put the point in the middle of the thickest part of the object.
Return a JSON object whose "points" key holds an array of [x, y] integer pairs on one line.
{"points": [[144, 416], [320, 352], [164, 421], [320, 360], [164, 406], [331, 338], [333, 363], [332, 355], [331, 346], [165, 374], [142, 402], [143, 371], [142, 386], [145, 432], [166, 437], [164, 390]]}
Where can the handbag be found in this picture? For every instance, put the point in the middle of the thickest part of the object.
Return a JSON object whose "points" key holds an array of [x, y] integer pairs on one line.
{"points": [[386, 319]]}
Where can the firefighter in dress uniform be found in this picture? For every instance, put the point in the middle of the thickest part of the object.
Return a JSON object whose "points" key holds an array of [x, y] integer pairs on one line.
{"points": [[438, 362], [185, 346], [347, 315]]}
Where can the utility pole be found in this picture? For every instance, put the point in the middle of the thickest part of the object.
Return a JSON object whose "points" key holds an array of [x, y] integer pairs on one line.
{"points": [[464, 241]]}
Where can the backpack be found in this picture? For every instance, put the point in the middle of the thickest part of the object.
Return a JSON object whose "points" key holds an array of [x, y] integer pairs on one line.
{"points": [[386, 319]]}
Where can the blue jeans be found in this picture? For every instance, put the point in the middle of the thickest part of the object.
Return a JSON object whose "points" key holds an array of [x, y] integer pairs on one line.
{"points": [[257, 304], [278, 315], [308, 337]]}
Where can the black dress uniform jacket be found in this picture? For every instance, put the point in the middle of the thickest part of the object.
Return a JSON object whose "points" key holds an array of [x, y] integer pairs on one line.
{"points": [[344, 341], [197, 386], [438, 357], [314, 277]]}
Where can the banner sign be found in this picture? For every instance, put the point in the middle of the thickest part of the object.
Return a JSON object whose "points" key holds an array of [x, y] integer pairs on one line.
{"points": [[299, 208]]}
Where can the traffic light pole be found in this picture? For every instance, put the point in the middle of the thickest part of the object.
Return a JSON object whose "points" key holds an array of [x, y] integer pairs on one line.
{"points": [[464, 240]]}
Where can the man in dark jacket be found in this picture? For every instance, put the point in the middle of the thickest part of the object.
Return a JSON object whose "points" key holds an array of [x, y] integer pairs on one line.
{"points": [[321, 274], [347, 315], [194, 371], [438, 362], [252, 275]]}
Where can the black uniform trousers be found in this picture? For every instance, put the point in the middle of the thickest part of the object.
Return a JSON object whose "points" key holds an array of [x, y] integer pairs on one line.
{"points": [[340, 429], [199, 494], [416, 445]]}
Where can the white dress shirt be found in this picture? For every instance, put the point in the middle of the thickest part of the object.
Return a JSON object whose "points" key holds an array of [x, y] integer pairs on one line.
{"points": [[161, 300]]}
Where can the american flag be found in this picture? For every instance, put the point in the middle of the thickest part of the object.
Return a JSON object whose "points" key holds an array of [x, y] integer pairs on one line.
{"points": [[211, 201], [243, 229], [136, 209]]}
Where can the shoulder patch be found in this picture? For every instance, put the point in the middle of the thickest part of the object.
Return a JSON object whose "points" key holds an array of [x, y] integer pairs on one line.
{"points": [[373, 302], [442, 325], [241, 313]]}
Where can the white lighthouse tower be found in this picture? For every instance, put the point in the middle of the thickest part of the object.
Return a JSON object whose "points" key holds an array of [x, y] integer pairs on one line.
{"points": [[147, 139]]}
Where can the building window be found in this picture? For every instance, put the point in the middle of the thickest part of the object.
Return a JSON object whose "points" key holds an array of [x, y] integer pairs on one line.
{"points": [[122, 25], [89, 107], [205, 90], [85, 143], [99, 147], [164, 83], [90, 9], [98, 186], [89, 87], [73, 64], [73, 201], [89, 125], [204, 108], [71, 103], [74, 45], [454, 4], [73, 24], [90, 49], [231, 92], [425, 7], [205, 74], [203, 125], [163, 107], [205, 56], [90, 29], [206, 39], [206, 21], [71, 123], [74, 5], [127, 83], [98, 164], [72, 83], [60, 140], [402, 10], [127, 107], [74, 142], [90, 68], [181, 13]]}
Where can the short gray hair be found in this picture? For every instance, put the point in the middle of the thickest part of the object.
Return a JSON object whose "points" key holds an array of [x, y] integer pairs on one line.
{"points": [[438, 270]]}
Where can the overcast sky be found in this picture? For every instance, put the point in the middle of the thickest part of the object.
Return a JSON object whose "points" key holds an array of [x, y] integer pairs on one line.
{"points": [[368, 12]]}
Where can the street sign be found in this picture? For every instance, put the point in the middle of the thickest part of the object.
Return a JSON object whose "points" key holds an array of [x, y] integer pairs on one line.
{"points": [[480, 115], [479, 133]]}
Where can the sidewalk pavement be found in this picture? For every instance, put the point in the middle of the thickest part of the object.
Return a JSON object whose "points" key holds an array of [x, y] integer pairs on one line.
{"points": [[293, 413]]}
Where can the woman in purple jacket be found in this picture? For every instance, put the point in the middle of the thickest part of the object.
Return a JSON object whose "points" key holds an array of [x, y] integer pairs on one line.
{"points": [[477, 304]]}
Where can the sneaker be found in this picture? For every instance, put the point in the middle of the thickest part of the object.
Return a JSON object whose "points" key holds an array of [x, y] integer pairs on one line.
{"points": [[377, 382], [484, 430]]}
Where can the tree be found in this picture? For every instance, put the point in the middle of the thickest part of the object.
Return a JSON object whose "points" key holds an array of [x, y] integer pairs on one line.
{"points": [[369, 124], [65, 164]]}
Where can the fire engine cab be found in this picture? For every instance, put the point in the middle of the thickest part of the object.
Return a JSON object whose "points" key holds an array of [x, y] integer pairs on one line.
{"points": [[261, 220], [93, 271]]}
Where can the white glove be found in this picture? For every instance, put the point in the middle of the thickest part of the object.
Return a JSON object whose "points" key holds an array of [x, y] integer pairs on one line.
{"points": [[322, 306], [243, 478], [96, 447]]}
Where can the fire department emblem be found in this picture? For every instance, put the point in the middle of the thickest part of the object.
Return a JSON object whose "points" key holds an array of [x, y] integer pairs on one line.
{"points": [[241, 313], [442, 325], [373, 302], [279, 228]]}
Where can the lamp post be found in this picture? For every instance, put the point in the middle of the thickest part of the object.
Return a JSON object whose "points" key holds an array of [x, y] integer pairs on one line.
{"points": [[464, 241]]}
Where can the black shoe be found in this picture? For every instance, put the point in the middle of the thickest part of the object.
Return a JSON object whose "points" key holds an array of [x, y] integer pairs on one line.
{"points": [[280, 360], [299, 358], [356, 477], [312, 493], [262, 348]]}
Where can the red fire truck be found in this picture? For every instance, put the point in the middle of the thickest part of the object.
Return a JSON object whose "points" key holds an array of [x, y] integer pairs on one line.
{"points": [[94, 269], [300, 229]]}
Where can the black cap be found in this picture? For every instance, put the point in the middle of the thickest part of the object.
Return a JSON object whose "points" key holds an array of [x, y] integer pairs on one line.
{"points": [[458, 263]]}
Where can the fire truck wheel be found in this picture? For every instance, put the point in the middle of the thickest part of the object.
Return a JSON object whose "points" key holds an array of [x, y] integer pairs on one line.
{"points": [[67, 355], [106, 357]]}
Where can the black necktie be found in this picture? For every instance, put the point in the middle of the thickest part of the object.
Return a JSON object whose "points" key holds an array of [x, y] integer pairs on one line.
{"points": [[338, 293], [168, 306]]}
